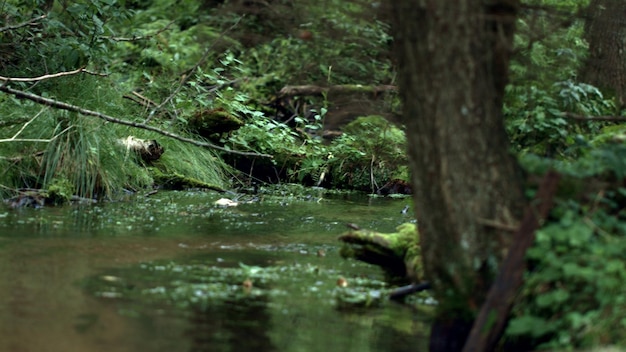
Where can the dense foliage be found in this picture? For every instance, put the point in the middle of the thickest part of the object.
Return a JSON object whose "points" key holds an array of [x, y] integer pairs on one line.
{"points": [[170, 65]]}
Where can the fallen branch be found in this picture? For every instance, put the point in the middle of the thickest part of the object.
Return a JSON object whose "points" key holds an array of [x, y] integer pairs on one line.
{"points": [[136, 38], [23, 24], [288, 91], [401, 292], [54, 75], [74, 108]]}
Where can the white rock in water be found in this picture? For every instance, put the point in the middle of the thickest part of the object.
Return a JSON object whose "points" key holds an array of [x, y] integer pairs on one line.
{"points": [[225, 202]]}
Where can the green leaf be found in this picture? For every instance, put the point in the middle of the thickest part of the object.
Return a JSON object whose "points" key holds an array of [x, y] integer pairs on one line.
{"points": [[529, 325], [552, 298]]}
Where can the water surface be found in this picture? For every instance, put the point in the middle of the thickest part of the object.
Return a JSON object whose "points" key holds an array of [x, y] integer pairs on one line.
{"points": [[81, 278]]}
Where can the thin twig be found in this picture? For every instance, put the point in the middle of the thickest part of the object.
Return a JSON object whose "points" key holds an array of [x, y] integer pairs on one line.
{"points": [[65, 106], [32, 140], [188, 75], [23, 24], [150, 102], [571, 116], [55, 75], [28, 123], [136, 38], [140, 99]]}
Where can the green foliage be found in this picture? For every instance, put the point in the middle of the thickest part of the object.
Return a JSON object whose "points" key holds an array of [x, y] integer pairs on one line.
{"points": [[539, 95], [72, 35], [363, 56], [545, 40], [268, 137], [573, 295], [535, 118], [60, 191], [371, 150]]}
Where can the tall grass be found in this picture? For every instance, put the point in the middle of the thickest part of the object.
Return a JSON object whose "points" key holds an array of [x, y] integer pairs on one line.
{"points": [[85, 151]]}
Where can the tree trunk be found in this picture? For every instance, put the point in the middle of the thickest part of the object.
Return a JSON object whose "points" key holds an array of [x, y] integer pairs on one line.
{"points": [[605, 31], [453, 60]]}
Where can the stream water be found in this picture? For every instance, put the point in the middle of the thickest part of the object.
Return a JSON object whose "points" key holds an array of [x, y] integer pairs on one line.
{"points": [[164, 273]]}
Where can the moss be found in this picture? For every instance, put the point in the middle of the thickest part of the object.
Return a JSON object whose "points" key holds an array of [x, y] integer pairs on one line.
{"points": [[208, 123], [176, 181], [60, 191], [397, 253]]}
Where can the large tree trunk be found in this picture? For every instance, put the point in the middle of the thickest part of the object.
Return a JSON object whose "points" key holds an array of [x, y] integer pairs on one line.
{"points": [[453, 58], [605, 30]]}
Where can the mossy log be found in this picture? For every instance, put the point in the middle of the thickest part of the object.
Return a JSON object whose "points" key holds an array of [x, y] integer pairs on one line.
{"points": [[209, 123], [398, 253]]}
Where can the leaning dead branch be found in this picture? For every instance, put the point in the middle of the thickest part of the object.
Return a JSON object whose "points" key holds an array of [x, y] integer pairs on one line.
{"points": [[65, 106], [54, 75]]}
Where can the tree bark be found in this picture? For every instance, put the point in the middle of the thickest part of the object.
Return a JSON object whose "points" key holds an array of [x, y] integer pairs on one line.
{"points": [[605, 31], [453, 60]]}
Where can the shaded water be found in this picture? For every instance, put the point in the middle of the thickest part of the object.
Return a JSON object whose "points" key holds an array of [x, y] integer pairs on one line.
{"points": [[112, 277]]}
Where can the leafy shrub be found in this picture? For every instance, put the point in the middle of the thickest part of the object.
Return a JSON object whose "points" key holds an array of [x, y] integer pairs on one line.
{"points": [[574, 296], [371, 152], [535, 118]]}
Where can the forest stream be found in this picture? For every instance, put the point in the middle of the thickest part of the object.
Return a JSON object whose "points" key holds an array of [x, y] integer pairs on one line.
{"points": [[173, 272]]}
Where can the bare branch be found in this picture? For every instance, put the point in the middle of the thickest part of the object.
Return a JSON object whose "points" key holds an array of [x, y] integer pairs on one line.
{"points": [[136, 38], [65, 106], [572, 116], [23, 24], [337, 89], [27, 123], [32, 140], [189, 73], [140, 99], [55, 75]]}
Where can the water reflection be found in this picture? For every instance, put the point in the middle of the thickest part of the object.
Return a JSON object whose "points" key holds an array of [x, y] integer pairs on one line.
{"points": [[232, 326]]}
